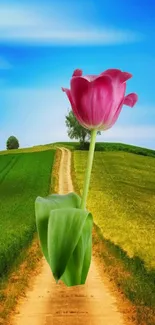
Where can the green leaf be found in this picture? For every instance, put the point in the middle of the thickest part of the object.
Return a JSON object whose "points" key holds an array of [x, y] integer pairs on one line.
{"points": [[43, 206], [65, 233], [79, 262]]}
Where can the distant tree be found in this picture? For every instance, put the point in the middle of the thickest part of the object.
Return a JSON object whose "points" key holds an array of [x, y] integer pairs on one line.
{"points": [[76, 130], [12, 143]]}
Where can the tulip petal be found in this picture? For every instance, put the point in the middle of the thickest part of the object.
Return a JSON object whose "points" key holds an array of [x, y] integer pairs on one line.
{"points": [[125, 76], [90, 77], [92, 98], [79, 88], [77, 73], [113, 118], [130, 100], [114, 73], [69, 95], [117, 74], [112, 113], [101, 99]]}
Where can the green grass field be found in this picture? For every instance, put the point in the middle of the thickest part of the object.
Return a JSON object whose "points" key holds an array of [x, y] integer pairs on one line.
{"points": [[23, 177], [122, 200], [100, 146], [29, 149], [109, 146]]}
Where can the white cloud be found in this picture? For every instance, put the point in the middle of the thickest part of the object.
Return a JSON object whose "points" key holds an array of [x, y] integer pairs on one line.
{"points": [[26, 24], [17, 16], [67, 37]]}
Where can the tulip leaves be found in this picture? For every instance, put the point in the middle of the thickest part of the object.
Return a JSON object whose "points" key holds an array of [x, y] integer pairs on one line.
{"points": [[65, 233]]}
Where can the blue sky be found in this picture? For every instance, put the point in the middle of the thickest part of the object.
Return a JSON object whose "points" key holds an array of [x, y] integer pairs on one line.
{"points": [[42, 42]]}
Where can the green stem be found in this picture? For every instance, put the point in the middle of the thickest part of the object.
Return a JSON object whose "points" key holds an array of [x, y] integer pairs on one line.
{"points": [[88, 169]]}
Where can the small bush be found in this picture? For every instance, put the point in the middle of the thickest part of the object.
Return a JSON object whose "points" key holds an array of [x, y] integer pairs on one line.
{"points": [[12, 143]]}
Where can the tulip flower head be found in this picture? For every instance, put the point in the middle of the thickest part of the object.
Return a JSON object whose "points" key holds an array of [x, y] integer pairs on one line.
{"points": [[97, 100]]}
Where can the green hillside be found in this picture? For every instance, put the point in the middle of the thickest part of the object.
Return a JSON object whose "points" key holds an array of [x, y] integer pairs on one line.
{"points": [[110, 146], [23, 177], [122, 200], [29, 149], [74, 145]]}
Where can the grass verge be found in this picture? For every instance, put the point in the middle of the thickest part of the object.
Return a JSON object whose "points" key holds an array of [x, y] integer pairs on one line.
{"points": [[14, 284], [128, 278], [28, 264], [124, 184], [22, 179]]}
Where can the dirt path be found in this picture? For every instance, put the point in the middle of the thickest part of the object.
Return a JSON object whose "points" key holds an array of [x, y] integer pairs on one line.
{"points": [[51, 304]]}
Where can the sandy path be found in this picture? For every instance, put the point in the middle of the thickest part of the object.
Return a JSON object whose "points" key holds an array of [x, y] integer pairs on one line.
{"points": [[51, 304]]}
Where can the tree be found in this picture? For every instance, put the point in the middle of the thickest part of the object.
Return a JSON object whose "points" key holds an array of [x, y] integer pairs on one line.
{"points": [[12, 143], [76, 130]]}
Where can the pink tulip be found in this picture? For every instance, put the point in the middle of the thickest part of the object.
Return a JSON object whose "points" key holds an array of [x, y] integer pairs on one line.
{"points": [[97, 100]]}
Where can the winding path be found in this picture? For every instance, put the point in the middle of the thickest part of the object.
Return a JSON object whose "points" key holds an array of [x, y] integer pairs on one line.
{"points": [[49, 303]]}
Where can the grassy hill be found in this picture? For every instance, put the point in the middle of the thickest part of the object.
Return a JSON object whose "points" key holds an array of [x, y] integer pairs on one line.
{"points": [[109, 146], [124, 184], [100, 146], [23, 177], [29, 149], [122, 201]]}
